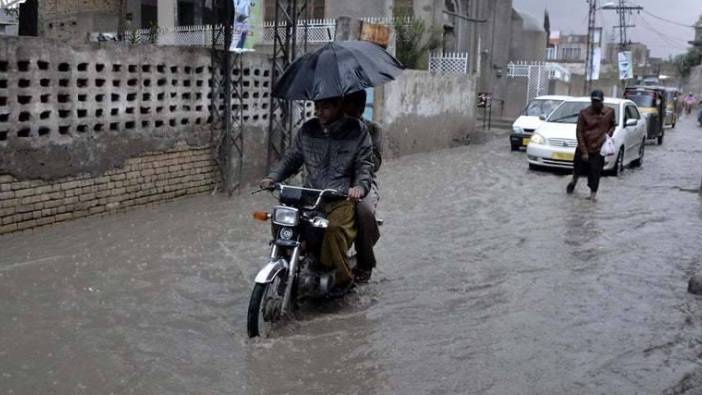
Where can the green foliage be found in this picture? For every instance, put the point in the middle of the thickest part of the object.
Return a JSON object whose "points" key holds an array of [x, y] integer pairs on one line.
{"points": [[152, 35], [687, 61], [413, 41]]}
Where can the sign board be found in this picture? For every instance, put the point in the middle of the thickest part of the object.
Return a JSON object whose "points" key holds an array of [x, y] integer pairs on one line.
{"points": [[626, 66], [593, 69], [248, 24], [379, 34]]}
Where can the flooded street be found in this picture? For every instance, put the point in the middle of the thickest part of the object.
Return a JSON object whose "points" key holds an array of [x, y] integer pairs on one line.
{"points": [[491, 281]]}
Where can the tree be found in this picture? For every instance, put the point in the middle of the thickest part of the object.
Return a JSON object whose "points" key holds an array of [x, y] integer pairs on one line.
{"points": [[687, 61], [413, 42]]}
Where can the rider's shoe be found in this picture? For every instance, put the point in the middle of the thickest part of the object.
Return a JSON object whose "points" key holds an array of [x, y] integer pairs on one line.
{"points": [[339, 291], [361, 276]]}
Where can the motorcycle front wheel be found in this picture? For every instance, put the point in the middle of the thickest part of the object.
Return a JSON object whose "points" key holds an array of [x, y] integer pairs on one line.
{"points": [[265, 307]]}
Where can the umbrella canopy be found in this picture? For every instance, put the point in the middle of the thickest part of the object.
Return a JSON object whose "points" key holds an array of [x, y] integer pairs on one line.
{"points": [[337, 69]]}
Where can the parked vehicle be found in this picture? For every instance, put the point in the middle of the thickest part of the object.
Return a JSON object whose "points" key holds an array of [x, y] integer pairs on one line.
{"points": [[652, 102], [294, 272], [553, 144], [531, 118], [673, 106]]}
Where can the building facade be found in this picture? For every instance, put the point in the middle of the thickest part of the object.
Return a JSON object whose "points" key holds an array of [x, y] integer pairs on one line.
{"points": [[74, 20]]}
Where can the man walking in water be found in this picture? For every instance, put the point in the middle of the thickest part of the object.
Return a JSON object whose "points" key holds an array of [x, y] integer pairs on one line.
{"points": [[594, 124]]}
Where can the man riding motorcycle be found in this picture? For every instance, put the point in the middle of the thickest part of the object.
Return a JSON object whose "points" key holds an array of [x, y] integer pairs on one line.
{"points": [[336, 153]]}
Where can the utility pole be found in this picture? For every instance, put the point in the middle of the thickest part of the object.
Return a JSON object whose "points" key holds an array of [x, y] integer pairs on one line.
{"points": [[589, 60], [623, 10]]}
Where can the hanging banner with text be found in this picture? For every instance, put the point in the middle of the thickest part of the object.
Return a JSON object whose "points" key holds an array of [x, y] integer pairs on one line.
{"points": [[626, 66], [248, 24], [593, 69]]}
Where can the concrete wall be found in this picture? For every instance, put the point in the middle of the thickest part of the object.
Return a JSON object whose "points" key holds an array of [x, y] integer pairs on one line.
{"points": [[81, 113], [423, 112], [72, 20]]}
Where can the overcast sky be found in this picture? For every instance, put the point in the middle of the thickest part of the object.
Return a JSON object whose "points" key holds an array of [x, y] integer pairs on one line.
{"points": [[663, 38]]}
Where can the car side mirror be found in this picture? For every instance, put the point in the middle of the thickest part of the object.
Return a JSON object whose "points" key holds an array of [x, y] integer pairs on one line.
{"points": [[542, 117], [632, 122]]}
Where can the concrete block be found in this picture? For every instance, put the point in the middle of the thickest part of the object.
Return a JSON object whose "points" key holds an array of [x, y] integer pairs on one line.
{"points": [[64, 217], [27, 225], [21, 185], [8, 228], [7, 195], [25, 192]]}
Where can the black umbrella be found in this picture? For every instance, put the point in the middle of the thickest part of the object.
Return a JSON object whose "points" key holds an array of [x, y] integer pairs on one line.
{"points": [[337, 69]]}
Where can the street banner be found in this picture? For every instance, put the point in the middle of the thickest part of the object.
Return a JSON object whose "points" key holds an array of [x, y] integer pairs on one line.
{"points": [[593, 69], [626, 66], [248, 24]]}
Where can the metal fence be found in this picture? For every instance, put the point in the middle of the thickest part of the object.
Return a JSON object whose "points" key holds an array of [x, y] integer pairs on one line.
{"points": [[318, 30], [554, 71], [538, 75], [449, 63]]}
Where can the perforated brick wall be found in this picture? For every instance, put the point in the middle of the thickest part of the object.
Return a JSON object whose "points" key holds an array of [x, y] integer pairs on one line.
{"points": [[95, 113]]}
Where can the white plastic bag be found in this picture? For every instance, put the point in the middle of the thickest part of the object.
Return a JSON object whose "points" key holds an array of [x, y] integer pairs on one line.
{"points": [[608, 148]]}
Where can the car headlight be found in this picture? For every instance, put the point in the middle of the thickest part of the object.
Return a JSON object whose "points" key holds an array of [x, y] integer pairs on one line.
{"points": [[517, 130], [537, 139], [286, 216]]}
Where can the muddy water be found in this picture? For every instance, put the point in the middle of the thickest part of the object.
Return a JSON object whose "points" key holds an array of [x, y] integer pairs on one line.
{"points": [[491, 281]]}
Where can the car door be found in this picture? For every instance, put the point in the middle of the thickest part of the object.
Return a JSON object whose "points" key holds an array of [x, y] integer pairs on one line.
{"points": [[633, 133], [630, 131]]}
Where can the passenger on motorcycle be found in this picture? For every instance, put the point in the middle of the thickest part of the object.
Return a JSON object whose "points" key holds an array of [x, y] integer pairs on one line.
{"points": [[335, 152], [368, 230]]}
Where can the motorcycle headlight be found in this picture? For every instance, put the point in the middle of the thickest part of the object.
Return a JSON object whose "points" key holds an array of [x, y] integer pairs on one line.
{"points": [[286, 216], [517, 130], [537, 139]]}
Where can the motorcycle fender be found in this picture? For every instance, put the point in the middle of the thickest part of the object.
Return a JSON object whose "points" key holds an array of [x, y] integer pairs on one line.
{"points": [[272, 269]]}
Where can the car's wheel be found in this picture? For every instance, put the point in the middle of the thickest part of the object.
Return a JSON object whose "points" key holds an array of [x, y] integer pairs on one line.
{"points": [[515, 147], [533, 167], [660, 138], [619, 164], [642, 150]]}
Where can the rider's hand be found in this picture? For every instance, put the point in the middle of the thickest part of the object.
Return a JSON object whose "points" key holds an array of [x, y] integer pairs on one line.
{"points": [[585, 156], [356, 193], [266, 183]]}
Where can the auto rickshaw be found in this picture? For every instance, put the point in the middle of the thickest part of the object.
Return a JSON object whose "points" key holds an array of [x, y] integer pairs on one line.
{"points": [[651, 101], [673, 106]]}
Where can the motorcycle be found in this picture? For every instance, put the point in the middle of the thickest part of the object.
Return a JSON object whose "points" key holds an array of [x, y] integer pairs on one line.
{"points": [[294, 272]]}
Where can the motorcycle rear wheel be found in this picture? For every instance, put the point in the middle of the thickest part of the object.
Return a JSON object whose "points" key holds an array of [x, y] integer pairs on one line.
{"points": [[264, 308]]}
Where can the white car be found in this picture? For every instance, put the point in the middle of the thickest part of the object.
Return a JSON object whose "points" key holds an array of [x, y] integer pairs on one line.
{"points": [[553, 143], [538, 109]]}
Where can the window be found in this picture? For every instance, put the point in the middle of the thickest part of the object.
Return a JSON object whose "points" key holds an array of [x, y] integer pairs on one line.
{"points": [[570, 53], [632, 113]]}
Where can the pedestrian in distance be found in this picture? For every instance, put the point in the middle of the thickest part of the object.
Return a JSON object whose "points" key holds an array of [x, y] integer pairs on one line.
{"points": [[595, 123]]}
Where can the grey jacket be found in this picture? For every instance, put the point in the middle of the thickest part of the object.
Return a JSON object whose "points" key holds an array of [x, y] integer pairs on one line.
{"points": [[338, 156]]}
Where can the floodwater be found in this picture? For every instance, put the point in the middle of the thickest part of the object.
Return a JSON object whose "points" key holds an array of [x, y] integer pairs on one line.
{"points": [[491, 281]]}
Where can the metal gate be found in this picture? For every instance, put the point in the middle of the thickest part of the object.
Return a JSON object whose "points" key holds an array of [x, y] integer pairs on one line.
{"points": [[538, 75]]}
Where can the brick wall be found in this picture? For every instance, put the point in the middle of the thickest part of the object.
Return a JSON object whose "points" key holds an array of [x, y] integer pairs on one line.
{"points": [[149, 178]]}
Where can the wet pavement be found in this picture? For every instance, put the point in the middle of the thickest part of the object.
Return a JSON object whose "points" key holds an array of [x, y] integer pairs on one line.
{"points": [[491, 281]]}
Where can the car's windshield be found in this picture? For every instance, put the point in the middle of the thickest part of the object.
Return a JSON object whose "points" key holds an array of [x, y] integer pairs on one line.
{"points": [[541, 107], [642, 98], [568, 112]]}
